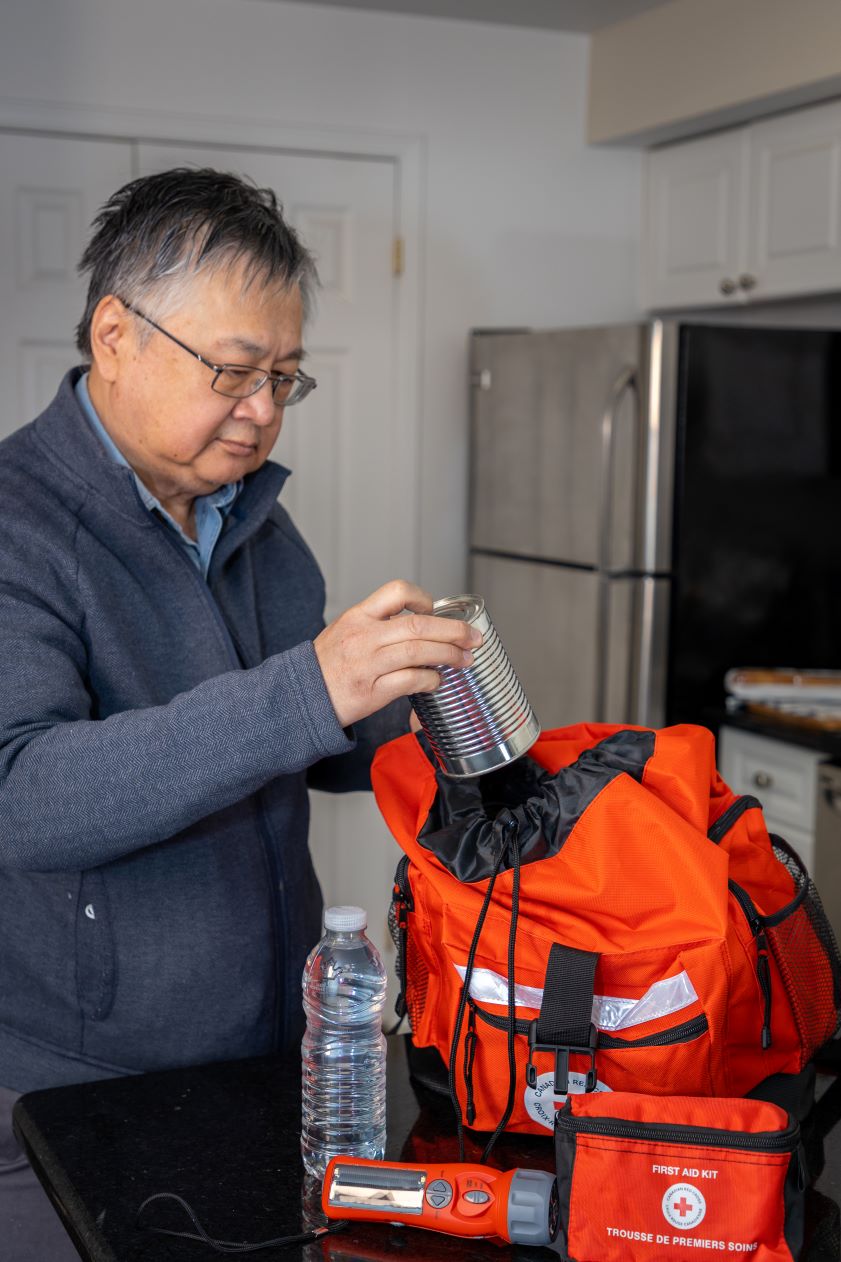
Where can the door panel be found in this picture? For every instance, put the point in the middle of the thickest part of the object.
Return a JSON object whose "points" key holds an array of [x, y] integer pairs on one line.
{"points": [[350, 477], [50, 191], [538, 405], [545, 616], [346, 492]]}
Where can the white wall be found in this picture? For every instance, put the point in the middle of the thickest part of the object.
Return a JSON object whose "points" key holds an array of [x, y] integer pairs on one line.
{"points": [[524, 224]]}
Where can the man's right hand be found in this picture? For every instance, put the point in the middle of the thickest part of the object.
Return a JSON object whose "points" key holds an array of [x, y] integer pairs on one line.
{"points": [[371, 655]]}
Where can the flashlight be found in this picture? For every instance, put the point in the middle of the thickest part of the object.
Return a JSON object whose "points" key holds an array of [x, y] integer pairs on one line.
{"points": [[515, 1206]]}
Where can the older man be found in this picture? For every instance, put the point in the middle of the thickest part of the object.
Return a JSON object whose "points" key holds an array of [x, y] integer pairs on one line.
{"points": [[166, 680]]}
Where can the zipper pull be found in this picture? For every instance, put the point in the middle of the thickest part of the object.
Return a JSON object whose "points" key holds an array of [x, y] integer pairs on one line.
{"points": [[763, 972]]}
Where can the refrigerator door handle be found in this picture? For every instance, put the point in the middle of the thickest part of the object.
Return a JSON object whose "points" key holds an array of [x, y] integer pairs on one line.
{"points": [[625, 381]]}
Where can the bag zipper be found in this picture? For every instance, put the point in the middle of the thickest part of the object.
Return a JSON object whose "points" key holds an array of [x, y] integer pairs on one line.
{"points": [[403, 903], [685, 1033], [734, 811], [763, 968], [765, 1141]]}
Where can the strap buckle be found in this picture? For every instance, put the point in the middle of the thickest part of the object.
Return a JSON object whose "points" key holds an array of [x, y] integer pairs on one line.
{"points": [[562, 1055]]}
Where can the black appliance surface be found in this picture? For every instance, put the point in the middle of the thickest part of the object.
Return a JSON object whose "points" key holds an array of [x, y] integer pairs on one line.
{"points": [[757, 520]]}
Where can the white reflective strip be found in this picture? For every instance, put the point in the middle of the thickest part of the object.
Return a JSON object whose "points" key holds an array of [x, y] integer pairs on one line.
{"points": [[489, 987], [662, 998], [672, 994]]}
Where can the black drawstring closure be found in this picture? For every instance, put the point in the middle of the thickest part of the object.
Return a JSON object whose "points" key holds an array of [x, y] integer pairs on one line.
{"points": [[509, 828], [465, 992], [229, 1246], [513, 843]]}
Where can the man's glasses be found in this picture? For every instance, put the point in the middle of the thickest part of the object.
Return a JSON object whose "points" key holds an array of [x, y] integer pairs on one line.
{"points": [[238, 381]]}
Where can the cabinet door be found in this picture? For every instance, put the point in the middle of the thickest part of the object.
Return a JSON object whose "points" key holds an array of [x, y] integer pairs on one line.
{"points": [[783, 777], [794, 243], [694, 217]]}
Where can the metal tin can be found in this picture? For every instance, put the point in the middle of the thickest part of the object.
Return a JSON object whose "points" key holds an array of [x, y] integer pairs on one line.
{"points": [[479, 718]]}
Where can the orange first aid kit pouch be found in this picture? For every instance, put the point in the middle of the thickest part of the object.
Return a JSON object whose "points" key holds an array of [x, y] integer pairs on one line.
{"points": [[712, 1178], [605, 915]]}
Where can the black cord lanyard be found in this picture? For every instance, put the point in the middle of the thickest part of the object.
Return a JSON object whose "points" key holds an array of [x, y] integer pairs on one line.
{"points": [[229, 1246]]}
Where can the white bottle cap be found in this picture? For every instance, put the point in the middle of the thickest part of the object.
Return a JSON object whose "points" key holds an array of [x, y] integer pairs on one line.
{"points": [[345, 919]]}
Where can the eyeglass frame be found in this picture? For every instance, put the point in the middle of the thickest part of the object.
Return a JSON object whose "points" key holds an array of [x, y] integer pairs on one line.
{"points": [[276, 378]]}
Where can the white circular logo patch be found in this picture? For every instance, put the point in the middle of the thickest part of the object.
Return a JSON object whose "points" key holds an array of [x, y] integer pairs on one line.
{"points": [[684, 1206], [541, 1102]]}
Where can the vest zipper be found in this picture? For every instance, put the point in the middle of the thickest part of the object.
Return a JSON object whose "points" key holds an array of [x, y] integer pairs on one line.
{"points": [[684, 1033], [763, 968], [270, 857]]}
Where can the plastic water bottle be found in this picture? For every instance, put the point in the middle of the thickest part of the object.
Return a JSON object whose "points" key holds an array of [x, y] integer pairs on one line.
{"points": [[343, 1051]]}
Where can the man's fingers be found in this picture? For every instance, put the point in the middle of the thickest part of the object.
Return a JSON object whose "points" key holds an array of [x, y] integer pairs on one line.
{"points": [[418, 626], [392, 598], [410, 654], [404, 683]]}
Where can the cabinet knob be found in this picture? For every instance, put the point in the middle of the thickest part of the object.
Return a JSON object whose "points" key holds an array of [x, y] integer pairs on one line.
{"points": [[762, 780], [746, 281], [833, 799], [727, 286]]}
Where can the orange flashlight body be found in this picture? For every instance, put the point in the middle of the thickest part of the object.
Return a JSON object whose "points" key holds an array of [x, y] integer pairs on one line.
{"points": [[458, 1199]]}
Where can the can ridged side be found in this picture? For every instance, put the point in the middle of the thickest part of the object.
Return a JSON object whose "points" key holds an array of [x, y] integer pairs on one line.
{"points": [[479, 718]]}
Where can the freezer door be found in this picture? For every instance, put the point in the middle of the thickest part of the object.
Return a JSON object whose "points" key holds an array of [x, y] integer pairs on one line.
{"points": [[538, 467], [547, 616]]}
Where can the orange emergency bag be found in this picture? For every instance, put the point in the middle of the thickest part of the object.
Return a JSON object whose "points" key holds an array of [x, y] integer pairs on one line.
{"points": [[603, 914]]}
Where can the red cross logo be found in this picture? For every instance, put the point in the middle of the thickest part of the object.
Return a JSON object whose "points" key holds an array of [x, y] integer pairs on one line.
{"points": [[683, 1205]]}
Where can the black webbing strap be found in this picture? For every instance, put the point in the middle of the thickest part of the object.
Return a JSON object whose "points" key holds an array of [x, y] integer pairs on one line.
{"points": [[565, 1024]]}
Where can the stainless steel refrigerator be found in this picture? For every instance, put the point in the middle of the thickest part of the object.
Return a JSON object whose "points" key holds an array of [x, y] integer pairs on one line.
{"points": [[653, 503]]}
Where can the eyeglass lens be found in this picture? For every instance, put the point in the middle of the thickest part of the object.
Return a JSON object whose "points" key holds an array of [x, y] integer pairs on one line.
{"points": [[239, 382]]}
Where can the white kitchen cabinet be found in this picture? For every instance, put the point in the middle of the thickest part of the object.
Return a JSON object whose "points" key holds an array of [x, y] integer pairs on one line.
{"points": [[793, 245], [695, 200], [782, 777], [748, 214]]}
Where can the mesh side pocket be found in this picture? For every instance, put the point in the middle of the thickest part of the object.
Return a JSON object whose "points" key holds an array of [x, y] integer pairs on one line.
{"points": [[417, 983], [806, 953], [412, 971]]}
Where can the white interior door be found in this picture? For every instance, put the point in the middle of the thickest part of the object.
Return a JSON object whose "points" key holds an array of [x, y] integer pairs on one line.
{"points": [[50, 191], [353, 470]]}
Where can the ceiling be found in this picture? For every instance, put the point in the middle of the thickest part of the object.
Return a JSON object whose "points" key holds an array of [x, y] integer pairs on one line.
{"points": [[555, 15]]}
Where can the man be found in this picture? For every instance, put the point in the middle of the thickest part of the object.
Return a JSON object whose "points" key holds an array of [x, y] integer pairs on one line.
{"points": [[167, 680]]}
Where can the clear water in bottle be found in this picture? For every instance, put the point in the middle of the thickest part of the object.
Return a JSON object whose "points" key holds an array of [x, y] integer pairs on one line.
{"points": [[343, 1050]]}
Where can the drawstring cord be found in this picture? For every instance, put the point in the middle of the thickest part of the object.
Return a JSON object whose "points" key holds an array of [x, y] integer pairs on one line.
{"points": [[465, 992], [514, 846], [510, 841]]}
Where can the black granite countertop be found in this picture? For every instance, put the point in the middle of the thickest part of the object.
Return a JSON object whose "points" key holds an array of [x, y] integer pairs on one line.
{"points": [[226, 1138], [825, 741]]}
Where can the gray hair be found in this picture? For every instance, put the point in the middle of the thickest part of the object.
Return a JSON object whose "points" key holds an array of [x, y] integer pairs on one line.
{"points": [[156, 233]]}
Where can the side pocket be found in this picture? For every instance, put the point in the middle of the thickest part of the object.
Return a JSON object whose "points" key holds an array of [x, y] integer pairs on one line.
{"points": [[95, 955], [806, 953]]}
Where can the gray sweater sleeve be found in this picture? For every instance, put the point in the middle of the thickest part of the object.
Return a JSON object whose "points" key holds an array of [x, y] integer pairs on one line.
{"points": [[346, 772], [77, 791]]}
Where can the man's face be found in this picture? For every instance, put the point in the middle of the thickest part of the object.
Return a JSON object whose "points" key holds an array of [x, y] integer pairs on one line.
{"points": [[180, 436]]}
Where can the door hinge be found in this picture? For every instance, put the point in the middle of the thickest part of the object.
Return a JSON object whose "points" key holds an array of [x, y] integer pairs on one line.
{"points": [[398, 256]]}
